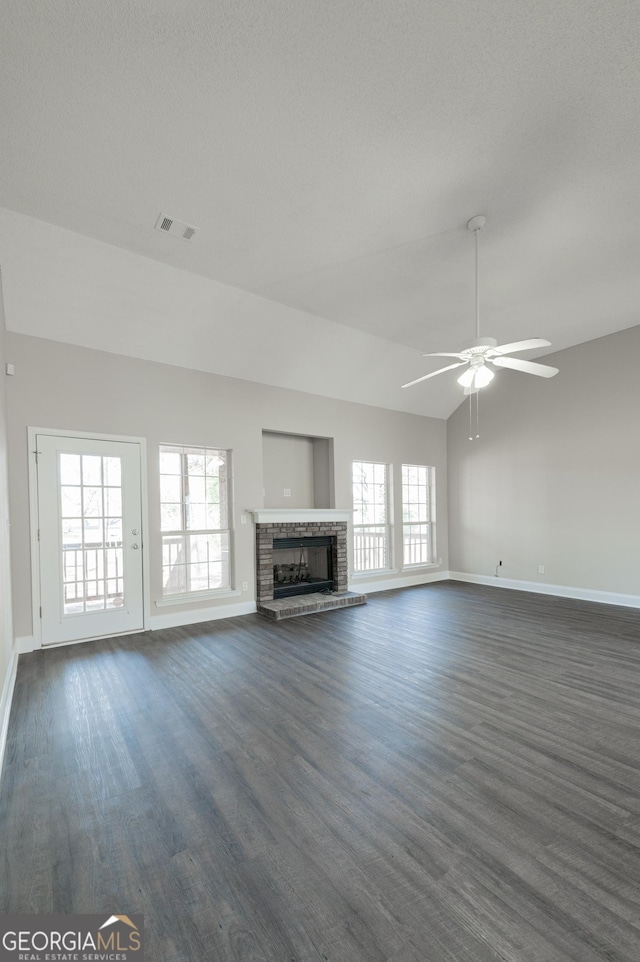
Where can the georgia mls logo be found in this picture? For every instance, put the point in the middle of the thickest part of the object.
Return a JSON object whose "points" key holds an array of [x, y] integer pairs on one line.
{"points": [[71, 938], [113, 941]]}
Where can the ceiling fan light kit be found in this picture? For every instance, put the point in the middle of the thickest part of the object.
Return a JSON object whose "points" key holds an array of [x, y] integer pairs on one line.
{"points": [[476, 377], [485, 351]]}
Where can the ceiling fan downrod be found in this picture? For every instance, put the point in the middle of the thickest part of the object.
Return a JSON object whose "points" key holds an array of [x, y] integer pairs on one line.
{"points": [[476, 224]]}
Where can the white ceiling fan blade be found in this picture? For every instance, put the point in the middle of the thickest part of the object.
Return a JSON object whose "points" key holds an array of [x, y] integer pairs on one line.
{"points": [[442, 354], [425, 377], [529, 345], [528, 367]]}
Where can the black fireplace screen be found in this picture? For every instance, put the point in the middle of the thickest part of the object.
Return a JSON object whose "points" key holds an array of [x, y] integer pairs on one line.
{"points": [[302, 565]]}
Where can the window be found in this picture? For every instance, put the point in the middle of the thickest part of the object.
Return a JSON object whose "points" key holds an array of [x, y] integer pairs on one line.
{"points": [[371, 531], [418, 527], [194, 504]]}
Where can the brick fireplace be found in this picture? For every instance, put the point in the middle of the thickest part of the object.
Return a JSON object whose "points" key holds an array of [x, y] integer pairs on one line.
{"points": [[300, 524]]}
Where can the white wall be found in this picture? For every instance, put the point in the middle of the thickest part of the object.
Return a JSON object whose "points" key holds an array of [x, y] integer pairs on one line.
{"points": [[554, 479], [65, 387], [287, 462], [67, 287], [7, 661]]}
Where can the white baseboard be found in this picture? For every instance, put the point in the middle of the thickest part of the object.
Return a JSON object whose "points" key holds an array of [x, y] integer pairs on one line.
{"points": [[404, 581], [542, 588], [175, 619], [5, 704], [25, 644]]}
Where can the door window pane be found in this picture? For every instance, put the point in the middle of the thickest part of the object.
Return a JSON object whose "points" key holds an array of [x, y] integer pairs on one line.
{"points": [[91, 541]]}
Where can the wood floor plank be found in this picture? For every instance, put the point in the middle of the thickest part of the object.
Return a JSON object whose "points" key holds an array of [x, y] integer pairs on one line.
{"points": [[450, 773]]}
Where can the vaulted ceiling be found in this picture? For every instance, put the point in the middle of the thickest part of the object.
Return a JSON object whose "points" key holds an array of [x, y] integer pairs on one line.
{"points": [[330, 155]]}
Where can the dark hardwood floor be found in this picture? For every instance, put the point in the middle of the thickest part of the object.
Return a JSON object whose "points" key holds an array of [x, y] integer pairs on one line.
{"points": [[449, 773]]}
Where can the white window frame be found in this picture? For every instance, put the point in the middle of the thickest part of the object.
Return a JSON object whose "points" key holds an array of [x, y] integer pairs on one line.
{"points": [[382, 530], [423, 512], [171, 596]]}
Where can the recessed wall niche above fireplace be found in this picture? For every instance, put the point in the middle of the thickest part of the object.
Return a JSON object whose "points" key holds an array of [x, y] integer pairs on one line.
{"points": [[301, 561], [297, 471]]}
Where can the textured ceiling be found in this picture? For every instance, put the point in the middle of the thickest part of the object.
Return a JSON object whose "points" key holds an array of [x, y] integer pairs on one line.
{"points": [[331, 154]]}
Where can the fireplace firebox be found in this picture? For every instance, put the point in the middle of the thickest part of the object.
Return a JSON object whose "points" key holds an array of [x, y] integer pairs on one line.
{"points": [[302, 565]]}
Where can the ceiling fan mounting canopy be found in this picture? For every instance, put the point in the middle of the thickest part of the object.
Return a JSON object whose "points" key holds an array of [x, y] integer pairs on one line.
{"points": [[477, 222], [479, 342], [485, 351]]}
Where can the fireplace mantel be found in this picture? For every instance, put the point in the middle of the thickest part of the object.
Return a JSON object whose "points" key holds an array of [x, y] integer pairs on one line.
{"points": [[300, 515]]}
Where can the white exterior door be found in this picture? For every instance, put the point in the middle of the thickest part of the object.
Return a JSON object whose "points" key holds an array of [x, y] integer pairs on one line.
{"points": [[90, 538]]}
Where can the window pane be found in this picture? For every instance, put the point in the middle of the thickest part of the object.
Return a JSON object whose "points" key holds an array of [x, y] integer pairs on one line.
{"points": [[214, 517], [416, 514], [194, 493], [197, 490], [171, 489], [92, 555], [70, 469], [174, 579], [195, 464], [113, 502], [370, 517], [91, 469], [196, 517], [113, 531], [93, 531], [112, 471], [198, 548], [370, 548], [199, 575], [170, 462], [113, 562], [71, 532], [173, 565], [417, 544], [171, 517], [92, 498], [71, 502]]}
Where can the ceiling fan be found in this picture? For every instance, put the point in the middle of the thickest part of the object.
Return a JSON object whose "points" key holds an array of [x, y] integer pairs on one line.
{"points": [[485, 351]]}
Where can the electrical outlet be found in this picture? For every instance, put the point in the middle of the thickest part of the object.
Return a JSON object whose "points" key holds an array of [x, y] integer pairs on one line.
{"points": [[245, 585], [243, 519], [287, 492], [540, 569]]}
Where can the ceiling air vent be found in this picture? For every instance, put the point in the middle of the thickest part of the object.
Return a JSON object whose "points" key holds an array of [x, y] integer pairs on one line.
{"points": [[177, 228]]}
